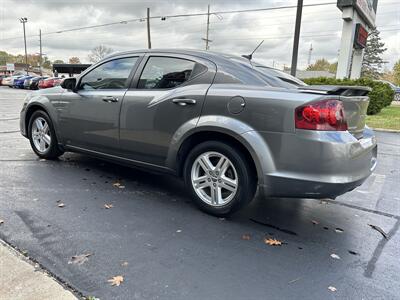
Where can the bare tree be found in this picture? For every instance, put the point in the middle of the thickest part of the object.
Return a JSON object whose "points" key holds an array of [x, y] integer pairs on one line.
{"points": [[74, 60], [99, 53]]}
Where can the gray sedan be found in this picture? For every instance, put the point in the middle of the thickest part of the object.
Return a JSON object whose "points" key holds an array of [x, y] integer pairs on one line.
{"points": [[226, 125]]}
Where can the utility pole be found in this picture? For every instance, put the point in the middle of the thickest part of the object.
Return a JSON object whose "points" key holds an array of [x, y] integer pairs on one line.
{"points": [[295, 53], [148, 28], [208, 27], [207, 40], [40, 53], [23, 21], [309, 55]]}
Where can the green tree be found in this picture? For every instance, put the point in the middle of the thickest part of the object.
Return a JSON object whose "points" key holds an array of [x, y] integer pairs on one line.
{"points": [[58, 61], [46, 63], [333, 68], [323, 64], [396, 73], [372, 61]]}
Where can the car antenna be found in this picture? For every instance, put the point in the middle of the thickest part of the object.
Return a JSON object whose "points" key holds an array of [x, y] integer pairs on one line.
{"points": [[250, 56]]}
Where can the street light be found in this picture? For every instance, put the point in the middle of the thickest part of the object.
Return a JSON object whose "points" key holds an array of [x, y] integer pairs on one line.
{"points": [[23, 21]]}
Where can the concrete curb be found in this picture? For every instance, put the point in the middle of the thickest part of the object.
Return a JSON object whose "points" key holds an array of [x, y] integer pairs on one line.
{"points": [[20, 278], [386, 130]]}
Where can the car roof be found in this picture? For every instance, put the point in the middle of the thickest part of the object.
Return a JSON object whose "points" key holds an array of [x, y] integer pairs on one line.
{"points": [[220, 59], [210, 55]]}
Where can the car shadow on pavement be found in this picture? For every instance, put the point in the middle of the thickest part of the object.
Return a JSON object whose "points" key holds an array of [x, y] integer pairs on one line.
{"points": [[153, 225], [288, 218]]}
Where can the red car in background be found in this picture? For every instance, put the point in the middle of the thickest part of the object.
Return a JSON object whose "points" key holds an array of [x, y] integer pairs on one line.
{"points": [[49, 82]]}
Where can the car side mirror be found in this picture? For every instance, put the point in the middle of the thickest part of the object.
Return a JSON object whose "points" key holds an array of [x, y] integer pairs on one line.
{"points": [[69, 84]]}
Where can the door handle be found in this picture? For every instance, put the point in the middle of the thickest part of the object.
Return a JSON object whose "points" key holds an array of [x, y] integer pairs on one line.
{"points": [[110, 99], [184, 101]]}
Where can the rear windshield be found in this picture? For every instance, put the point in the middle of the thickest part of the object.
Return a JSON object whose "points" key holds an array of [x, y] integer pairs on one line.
{"points": [[270, 76], [281, 75]]}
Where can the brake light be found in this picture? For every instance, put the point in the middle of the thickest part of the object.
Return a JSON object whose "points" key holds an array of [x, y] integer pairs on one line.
{"points": [[322, 115]]}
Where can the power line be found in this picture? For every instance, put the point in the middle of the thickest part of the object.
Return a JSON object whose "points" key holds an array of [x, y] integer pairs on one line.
{"points": [[178, 16], [164, 17]]}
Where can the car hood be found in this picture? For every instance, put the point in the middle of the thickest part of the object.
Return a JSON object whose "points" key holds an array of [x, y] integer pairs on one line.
{"points": [[53, 90]]}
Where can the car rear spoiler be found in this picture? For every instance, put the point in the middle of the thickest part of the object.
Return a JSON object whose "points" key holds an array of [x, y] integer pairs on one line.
{"points": [[341, 90]]}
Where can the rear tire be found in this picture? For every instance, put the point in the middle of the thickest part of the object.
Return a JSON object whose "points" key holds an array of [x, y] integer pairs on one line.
{"points": [[42, 136], [219, 178]]}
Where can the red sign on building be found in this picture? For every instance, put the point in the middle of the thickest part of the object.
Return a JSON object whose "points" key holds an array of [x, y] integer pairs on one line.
{"points": [[360, 37]]}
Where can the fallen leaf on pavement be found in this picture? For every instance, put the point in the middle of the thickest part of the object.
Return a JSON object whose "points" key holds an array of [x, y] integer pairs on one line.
{"points": [[116, 184], [314, 222], [116, 280], [246, 237], [380, 230], [61, 205], [79, 259], [332, 288], [335, 256], [272, 242], [108, 206]]}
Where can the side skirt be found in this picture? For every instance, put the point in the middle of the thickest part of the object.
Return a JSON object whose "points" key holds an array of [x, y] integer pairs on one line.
{"points": [[120, 160]]}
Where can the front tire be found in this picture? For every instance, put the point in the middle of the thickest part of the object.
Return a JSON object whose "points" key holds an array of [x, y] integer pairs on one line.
{"points": [[219, 178], [42, 136]]}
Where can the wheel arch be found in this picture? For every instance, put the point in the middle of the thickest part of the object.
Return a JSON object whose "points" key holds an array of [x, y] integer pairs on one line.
{"points": [[29, 112], [250, 143], [35, 106]]}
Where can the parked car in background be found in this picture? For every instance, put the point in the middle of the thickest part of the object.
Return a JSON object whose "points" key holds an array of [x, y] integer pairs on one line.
{"points": [[9, 81], [34, 82], [27, 82], [395, 88], [19, 82], [1, 78], [226, 125], [49, 82]]}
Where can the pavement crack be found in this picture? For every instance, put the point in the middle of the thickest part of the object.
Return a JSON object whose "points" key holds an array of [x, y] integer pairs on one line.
{"points": [[373, 211], [274, 227], [369, 270], [12, 131], [9, 119]]}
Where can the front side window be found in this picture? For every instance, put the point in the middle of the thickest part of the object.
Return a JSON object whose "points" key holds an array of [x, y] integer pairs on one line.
{"points": [[110, 75], [165, 72]]}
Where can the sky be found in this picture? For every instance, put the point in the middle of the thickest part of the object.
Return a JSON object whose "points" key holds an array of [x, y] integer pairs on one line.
{"points": [[237, 33]]}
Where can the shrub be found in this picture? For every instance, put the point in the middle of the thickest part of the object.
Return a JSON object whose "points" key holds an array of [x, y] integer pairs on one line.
{"points": [[380, 96]]}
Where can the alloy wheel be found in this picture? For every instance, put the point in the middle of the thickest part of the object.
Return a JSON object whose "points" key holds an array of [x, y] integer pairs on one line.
{"points": [[41, 135], [214, 178]]}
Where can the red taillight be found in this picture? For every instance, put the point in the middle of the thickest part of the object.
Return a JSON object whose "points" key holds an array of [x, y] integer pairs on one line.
{"points": [[322, 115]]}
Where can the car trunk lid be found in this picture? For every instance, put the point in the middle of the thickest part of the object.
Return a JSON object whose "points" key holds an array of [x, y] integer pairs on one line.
{"points": [[355, 102]]}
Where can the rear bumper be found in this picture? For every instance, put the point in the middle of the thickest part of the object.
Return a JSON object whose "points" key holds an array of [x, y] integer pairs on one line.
{"points": [[312, 164]]}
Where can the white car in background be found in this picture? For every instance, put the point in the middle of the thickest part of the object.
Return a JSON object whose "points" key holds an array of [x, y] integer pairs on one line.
{"points": [[9, 81]]}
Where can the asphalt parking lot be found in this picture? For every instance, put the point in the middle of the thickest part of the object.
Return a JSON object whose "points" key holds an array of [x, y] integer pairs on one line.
{"points": [[167, 249]]}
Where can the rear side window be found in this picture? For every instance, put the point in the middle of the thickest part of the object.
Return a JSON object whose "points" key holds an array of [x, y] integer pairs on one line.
{"points": [[110, 75], [166, 72]]}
